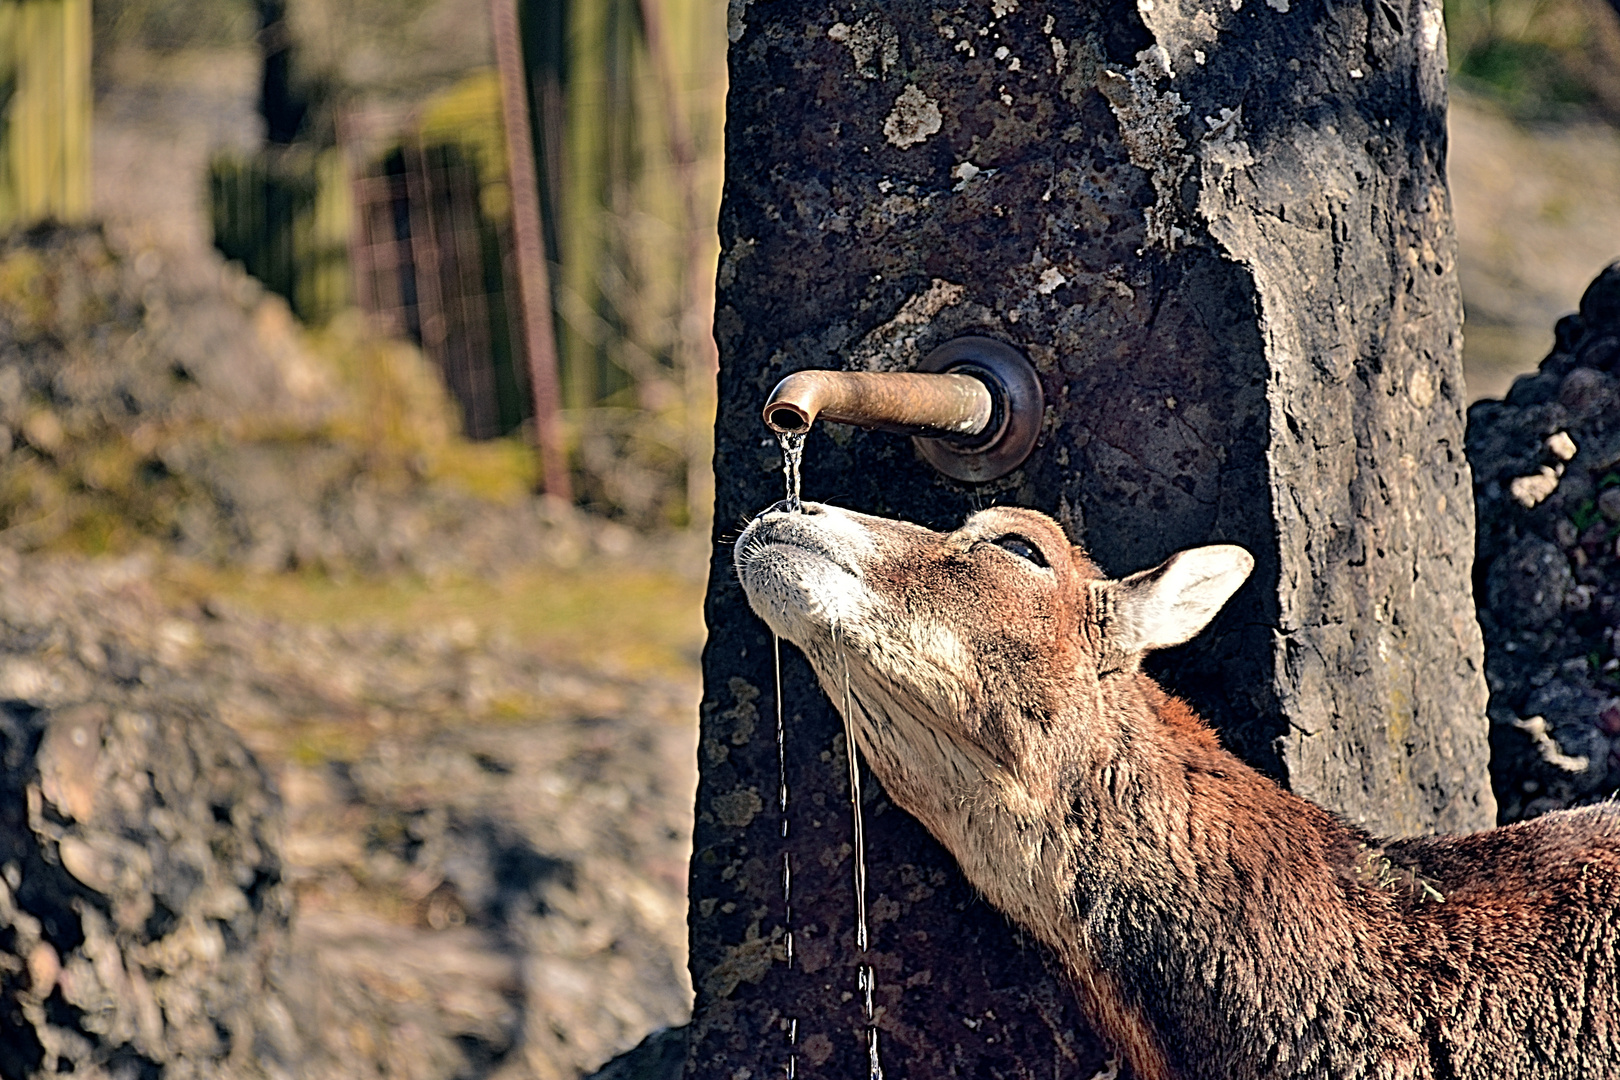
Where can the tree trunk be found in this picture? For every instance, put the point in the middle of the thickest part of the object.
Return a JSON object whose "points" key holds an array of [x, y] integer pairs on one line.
{"points": [[1220, 230]]}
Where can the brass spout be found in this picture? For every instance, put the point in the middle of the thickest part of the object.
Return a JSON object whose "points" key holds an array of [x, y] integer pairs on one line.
{"points": [[975, 409], [909, 403]]}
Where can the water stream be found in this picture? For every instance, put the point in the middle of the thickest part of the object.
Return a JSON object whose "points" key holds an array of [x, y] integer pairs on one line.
{"points": [[792, 455], [864, 975], [792, 459], [792, 1066]]}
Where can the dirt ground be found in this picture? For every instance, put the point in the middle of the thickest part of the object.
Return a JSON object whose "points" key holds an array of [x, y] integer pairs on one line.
{"points": [[487, 785], [488, 822], [488, 781]]}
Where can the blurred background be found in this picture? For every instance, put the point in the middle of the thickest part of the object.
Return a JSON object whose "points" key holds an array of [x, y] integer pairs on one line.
{"points": [[356, 387]]}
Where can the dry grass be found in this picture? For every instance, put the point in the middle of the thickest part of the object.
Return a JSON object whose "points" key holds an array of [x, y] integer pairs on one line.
{"points": [[606, 617]]}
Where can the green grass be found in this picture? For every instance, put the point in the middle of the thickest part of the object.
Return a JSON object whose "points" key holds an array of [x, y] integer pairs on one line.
{"points": [[1538, 59], [600, 616]]}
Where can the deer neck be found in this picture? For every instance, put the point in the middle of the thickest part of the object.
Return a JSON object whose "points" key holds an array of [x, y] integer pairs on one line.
{"points": [[1005, 827], [1120, 861], [1210, 909]]}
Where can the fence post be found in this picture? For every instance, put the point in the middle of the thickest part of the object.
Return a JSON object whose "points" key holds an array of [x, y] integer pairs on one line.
{"points": [[534, 284], [45, 103]]}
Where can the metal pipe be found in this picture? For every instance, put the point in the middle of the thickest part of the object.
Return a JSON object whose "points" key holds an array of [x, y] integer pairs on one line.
{"points": [[907, 402]]}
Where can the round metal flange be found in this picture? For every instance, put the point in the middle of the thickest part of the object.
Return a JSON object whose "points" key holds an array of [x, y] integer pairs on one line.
{"points": [[1015, 423]]}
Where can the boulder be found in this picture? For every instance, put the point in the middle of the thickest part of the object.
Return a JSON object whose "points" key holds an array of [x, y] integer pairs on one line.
{"points": [[142, 913]]}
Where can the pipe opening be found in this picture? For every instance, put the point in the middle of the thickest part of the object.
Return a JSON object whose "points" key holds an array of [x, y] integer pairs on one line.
{"points": [[787, 419]]}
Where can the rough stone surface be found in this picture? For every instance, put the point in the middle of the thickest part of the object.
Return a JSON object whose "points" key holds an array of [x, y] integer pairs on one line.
{"points": [[143, 920], [1546, 463], [485, 848], [1240, 294]]}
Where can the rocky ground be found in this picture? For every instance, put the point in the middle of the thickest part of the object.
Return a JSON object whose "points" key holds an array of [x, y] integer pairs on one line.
{"points": [[143, 920], [1533, 231], [191, 410], [478, 714], [485, 838], [459, 720]]}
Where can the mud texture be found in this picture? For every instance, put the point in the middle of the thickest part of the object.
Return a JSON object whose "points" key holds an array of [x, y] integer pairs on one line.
{"points": [[1546, 463], [1224, 240]]}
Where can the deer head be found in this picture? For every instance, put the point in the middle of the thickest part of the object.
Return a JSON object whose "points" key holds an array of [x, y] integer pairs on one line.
{"points": [[987, 663]]}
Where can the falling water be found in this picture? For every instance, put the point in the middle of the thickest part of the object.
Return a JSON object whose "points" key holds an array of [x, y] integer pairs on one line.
{"points": [[864, 974], [792, 459], [792, 456], [855, 812], [787, 869]]}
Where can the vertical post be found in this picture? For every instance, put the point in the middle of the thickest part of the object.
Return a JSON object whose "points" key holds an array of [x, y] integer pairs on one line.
{"points": [[45, 117], [698, 355], [534, 284], [1240, 292]]}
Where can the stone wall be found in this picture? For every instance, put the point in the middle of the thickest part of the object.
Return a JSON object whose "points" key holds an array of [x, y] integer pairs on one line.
{"points": [[1546, 463]]}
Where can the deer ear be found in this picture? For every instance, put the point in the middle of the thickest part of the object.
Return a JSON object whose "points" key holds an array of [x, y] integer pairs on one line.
{"points": [[1169, 604]]}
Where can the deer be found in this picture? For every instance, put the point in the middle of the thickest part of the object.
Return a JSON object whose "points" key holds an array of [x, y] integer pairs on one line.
{"points": [[1210, 922]]}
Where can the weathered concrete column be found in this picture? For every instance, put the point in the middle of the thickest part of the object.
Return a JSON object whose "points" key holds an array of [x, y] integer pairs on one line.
{"points": [[1219, 229]]}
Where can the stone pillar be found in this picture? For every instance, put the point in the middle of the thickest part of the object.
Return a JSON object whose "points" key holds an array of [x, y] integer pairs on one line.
{"points": [[1220, 230]]}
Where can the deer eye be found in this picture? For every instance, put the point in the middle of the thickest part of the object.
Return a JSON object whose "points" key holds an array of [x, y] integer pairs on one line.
{"points": [[1022, 547]]}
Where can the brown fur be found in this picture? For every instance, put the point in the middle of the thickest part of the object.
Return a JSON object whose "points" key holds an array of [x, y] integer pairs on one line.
{"points": [[1212, 923]]}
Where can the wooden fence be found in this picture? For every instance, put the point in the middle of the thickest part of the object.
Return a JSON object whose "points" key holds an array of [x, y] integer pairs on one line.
{"points": [[45, 104], [285, 213]]}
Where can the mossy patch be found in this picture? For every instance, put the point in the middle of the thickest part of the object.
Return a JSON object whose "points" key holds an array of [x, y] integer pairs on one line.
{"points": [[601, 617]]}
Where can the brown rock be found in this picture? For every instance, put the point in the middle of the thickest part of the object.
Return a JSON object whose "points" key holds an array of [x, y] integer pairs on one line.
{"points": [[145, 892]]}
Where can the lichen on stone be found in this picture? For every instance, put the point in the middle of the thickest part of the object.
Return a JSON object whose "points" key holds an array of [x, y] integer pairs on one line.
{"points": [[1222, 148], [1147, 124], [871, 39], [735, 26], [915, 116]]}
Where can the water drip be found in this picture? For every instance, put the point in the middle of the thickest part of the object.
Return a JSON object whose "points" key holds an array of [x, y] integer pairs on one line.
{"points": [[855, 811], [782, 804], [865, 977], [781, 738], [792, 457]]}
